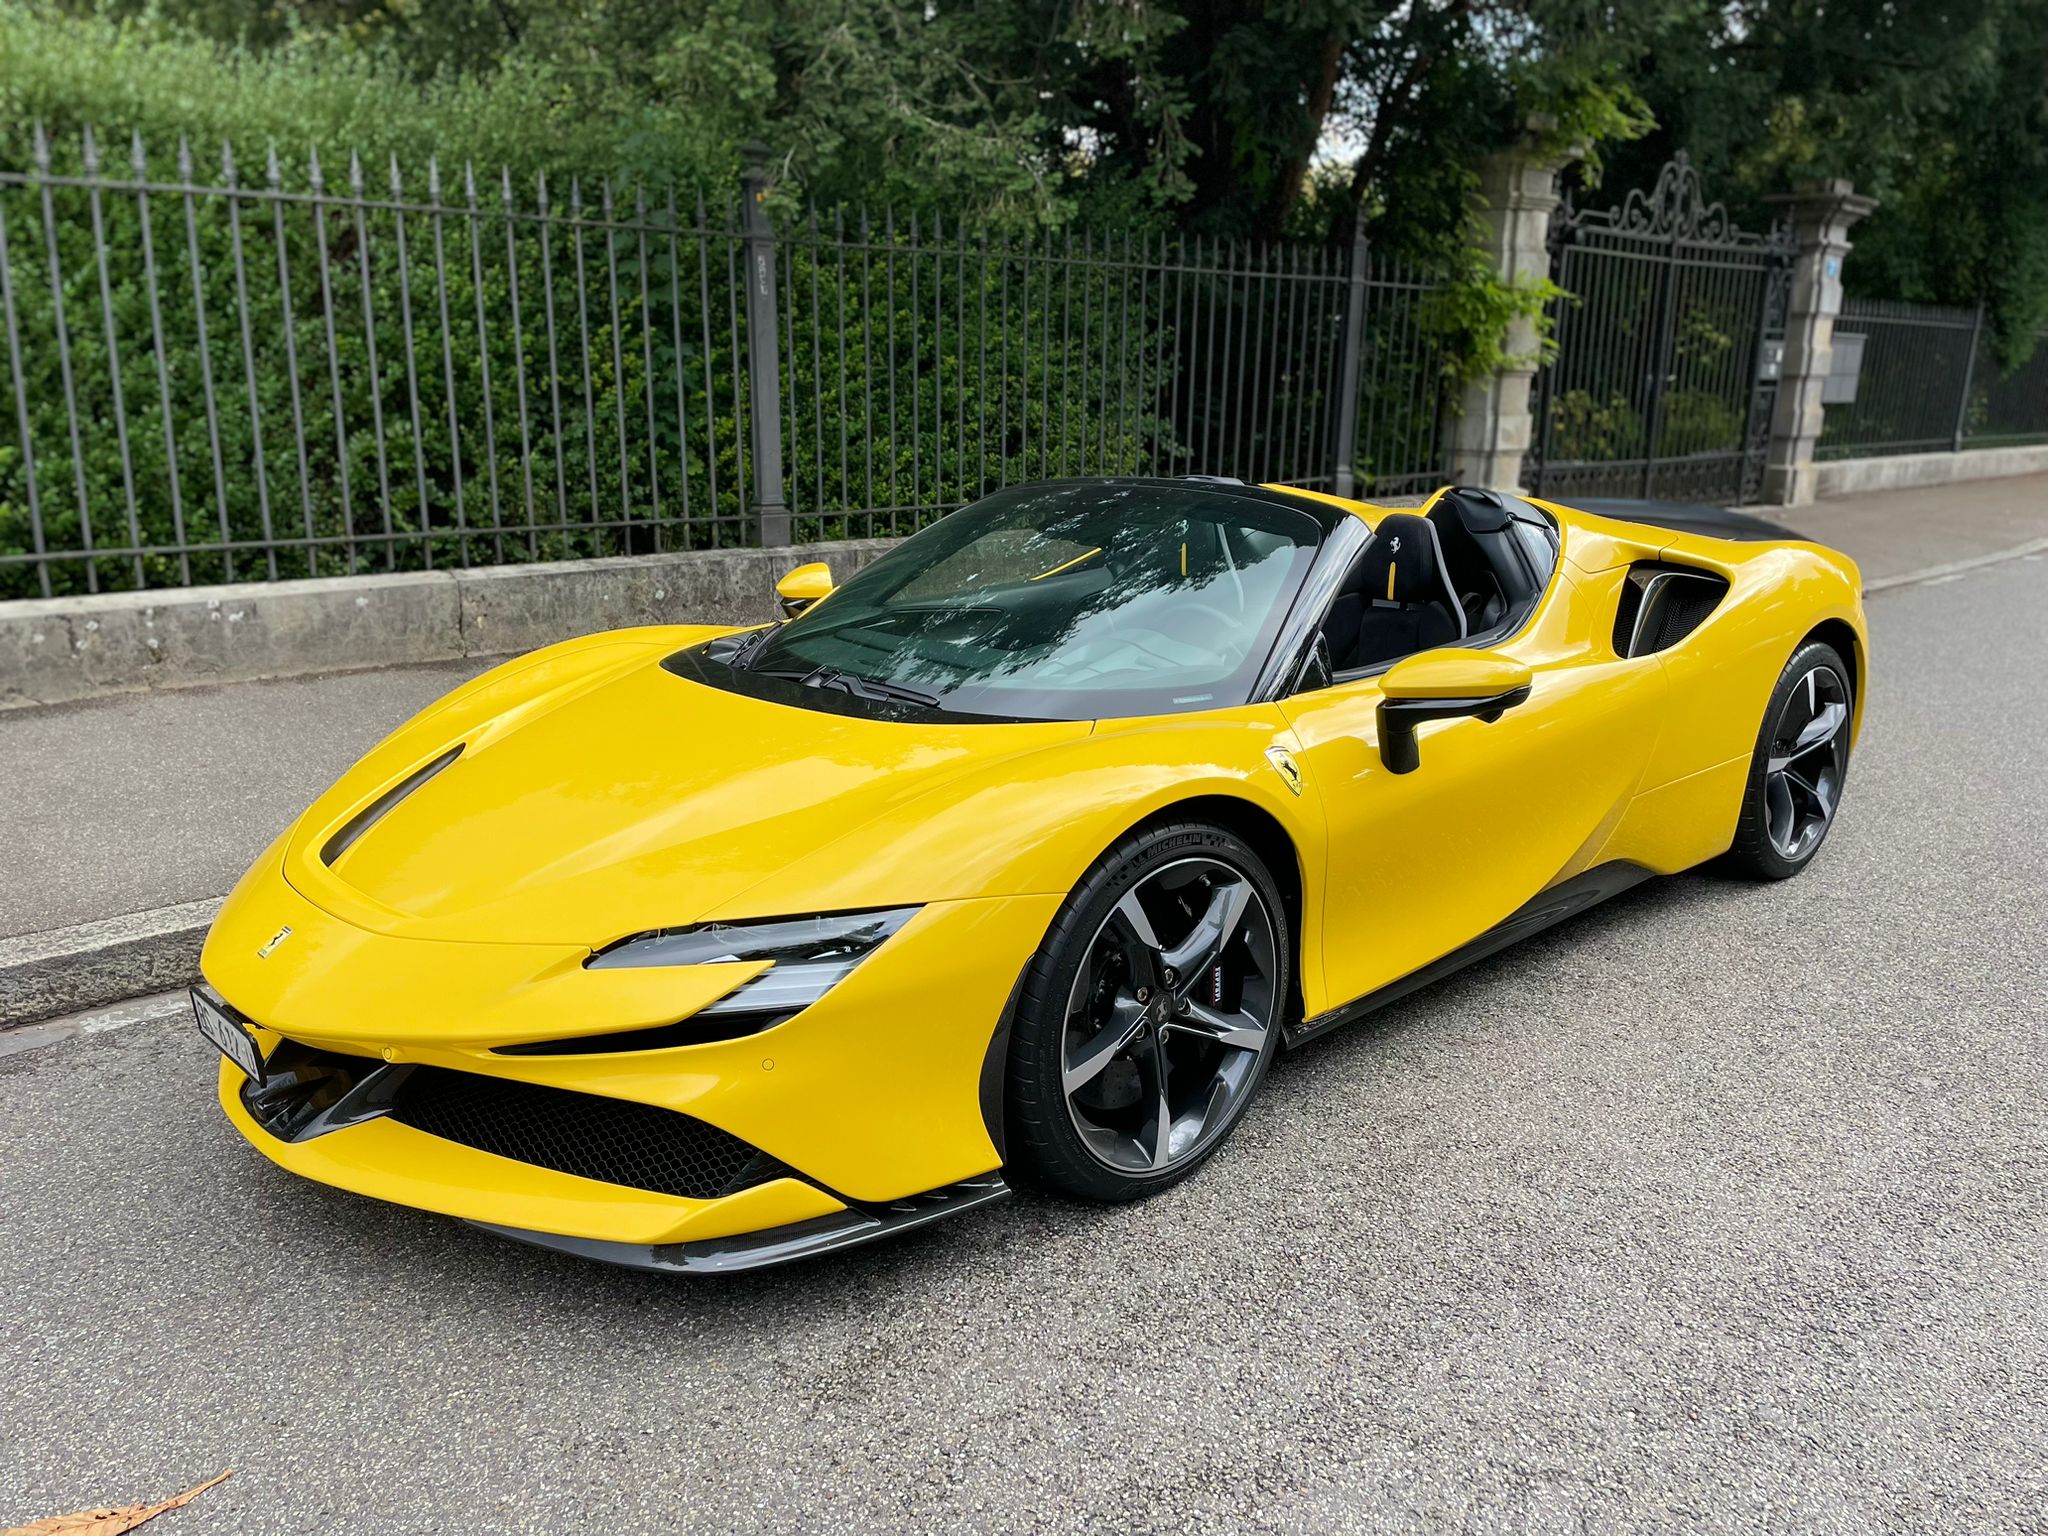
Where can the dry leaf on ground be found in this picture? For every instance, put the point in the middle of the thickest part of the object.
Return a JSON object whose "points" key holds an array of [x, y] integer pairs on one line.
{"points": [[111, 1522]]}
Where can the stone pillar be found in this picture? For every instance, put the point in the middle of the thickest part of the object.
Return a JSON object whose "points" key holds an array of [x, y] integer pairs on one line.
{"points": [[1491, 431], [1822, 213]]}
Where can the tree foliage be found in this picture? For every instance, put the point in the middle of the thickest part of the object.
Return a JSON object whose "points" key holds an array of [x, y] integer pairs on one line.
{"points": [[1211, 116], [1938, 108]]}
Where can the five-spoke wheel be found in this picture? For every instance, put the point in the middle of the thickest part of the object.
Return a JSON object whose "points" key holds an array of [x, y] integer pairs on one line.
{"points": [[1147, 1023], [1809, 754], [1169, 1018], [1802, 757]]}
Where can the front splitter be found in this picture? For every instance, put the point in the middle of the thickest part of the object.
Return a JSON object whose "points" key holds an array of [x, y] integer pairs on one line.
{"points": [[775, 1245]]}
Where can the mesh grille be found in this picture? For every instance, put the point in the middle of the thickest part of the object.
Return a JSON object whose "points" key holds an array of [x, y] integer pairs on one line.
{"points": [[1684, 608], [590, 1136], [1680, 599], [1625, 615]]}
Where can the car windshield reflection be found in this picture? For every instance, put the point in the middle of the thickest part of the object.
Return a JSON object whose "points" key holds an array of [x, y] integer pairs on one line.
{"points": [[1062, 602]]}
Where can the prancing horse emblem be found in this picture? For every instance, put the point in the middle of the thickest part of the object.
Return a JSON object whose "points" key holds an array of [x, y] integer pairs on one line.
{"points": [[1284, 765], [276, 939]]}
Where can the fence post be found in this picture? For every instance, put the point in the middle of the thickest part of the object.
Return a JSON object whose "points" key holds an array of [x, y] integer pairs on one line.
{"points": [[764, 375], [1969, 377], [1822, 214], [1345, 480]]}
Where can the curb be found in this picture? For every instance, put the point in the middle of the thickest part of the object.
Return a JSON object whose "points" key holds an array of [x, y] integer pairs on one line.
{"points": [[59, 650], [46, 975], [1957, 567]]}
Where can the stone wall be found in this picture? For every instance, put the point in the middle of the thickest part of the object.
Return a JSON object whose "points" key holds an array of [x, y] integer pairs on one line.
{"points": [[79, 647]]}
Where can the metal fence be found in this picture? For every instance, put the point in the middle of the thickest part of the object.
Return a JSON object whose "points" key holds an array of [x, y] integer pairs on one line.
{"points": [[1929, 384], [218, 377], [1668, 313]]}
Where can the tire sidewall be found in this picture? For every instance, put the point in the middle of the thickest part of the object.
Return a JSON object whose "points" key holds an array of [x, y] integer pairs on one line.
{"points": [[1754, 845], [1045, 1145]]}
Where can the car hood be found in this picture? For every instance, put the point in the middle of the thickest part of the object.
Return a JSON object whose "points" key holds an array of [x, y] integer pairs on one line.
{"points": [[611, 798]]}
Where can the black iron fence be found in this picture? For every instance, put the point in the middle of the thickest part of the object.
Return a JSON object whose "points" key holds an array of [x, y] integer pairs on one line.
{"points": [[1083, 354], [218, 376], [1926, 382]]}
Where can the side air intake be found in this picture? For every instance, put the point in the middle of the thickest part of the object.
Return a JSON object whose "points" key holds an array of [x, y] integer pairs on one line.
{"points": [[1662, 604]]}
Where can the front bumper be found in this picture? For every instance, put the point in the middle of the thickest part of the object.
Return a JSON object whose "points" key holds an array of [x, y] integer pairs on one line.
{"points": [[865, 1099], [387, 1159], [807, 1239], [774, 1221]]}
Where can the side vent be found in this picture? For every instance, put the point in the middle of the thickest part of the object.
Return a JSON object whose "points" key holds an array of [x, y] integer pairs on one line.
{"points": [[1662, 604]]}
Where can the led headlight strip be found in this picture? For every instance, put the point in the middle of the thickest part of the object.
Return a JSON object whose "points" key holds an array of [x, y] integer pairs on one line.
{"points": [[811, 955]]}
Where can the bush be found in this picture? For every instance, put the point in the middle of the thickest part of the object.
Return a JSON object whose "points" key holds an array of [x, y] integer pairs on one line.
{"points": [[314, 93], [317, 385], [260, 386]]}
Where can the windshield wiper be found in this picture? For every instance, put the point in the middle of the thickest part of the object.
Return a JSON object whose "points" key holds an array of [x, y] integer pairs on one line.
{"points": [[741, 656], [861, 687]]}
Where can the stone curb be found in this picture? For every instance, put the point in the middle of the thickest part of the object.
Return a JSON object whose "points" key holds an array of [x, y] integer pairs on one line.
{"points": [[1835, 478], [45, 975], [1957, 567]]}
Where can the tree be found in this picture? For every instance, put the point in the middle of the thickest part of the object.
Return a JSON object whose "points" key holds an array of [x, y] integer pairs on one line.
{"points": [[1938, 108], [1216, 117]]}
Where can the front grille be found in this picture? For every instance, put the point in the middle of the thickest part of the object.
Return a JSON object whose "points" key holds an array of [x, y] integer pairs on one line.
{"points": [[610, 1140]]}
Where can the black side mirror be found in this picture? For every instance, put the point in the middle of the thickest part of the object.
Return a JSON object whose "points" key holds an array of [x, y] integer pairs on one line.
{"points": [[1399, 717], [1447, 684]]}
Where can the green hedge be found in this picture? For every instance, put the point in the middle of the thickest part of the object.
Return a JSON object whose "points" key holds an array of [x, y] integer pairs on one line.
{"points": [[357, 432], [318, 93]]}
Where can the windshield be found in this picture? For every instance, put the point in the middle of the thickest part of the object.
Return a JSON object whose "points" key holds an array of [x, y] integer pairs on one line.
{"points": [[1065, 602]]}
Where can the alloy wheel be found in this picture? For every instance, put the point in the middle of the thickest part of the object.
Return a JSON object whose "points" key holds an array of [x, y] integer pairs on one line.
{"points": [[1169, 1016], [1809, 755]]}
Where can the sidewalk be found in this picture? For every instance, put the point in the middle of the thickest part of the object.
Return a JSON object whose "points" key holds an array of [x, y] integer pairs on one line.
{"points": [[1891, 534], [124, 807]]}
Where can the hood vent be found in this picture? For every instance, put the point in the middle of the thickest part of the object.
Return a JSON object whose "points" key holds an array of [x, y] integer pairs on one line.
{"points": [[352, 831]]}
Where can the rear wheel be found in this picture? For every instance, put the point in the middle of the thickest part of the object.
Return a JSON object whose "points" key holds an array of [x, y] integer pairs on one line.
{"points": [[1795, 778], [1148, 1019]]}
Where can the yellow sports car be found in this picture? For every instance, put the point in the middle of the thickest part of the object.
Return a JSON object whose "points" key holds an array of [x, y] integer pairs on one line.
{"points": [[1018, 856]]}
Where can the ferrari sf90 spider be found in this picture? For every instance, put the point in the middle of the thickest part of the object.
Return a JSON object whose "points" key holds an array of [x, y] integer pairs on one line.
{"points": [[1016, 857]]}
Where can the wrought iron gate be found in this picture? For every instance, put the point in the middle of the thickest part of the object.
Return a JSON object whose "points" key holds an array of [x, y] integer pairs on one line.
{"points": [[1668, 339]]}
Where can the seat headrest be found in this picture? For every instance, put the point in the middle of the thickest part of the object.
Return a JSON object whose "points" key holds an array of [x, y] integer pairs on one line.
{"points": [[1404, 563]]}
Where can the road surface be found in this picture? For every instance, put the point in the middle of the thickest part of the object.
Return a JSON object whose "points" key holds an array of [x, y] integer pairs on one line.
{"points": [[1721, 1206]]}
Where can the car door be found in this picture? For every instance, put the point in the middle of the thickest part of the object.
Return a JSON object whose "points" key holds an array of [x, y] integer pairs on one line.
{"points": [[1420, 863]]}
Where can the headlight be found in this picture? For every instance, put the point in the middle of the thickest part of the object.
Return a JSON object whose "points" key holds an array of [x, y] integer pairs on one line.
{"points": [[811, 955]]}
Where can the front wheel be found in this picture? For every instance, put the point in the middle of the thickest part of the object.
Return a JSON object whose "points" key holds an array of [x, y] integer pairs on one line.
{"points": [[1148, 1019], [1795, 778]]}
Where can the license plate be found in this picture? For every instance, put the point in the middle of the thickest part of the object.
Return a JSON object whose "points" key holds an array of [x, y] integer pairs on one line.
{"points": [[230, 1036]]}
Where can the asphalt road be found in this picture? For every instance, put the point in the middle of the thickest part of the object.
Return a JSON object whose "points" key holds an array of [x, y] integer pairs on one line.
{"points": [[1721, 1207]]}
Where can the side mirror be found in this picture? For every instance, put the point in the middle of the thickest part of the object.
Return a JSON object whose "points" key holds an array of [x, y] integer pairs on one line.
{"points": [[1443, 685], [804, 586]]}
